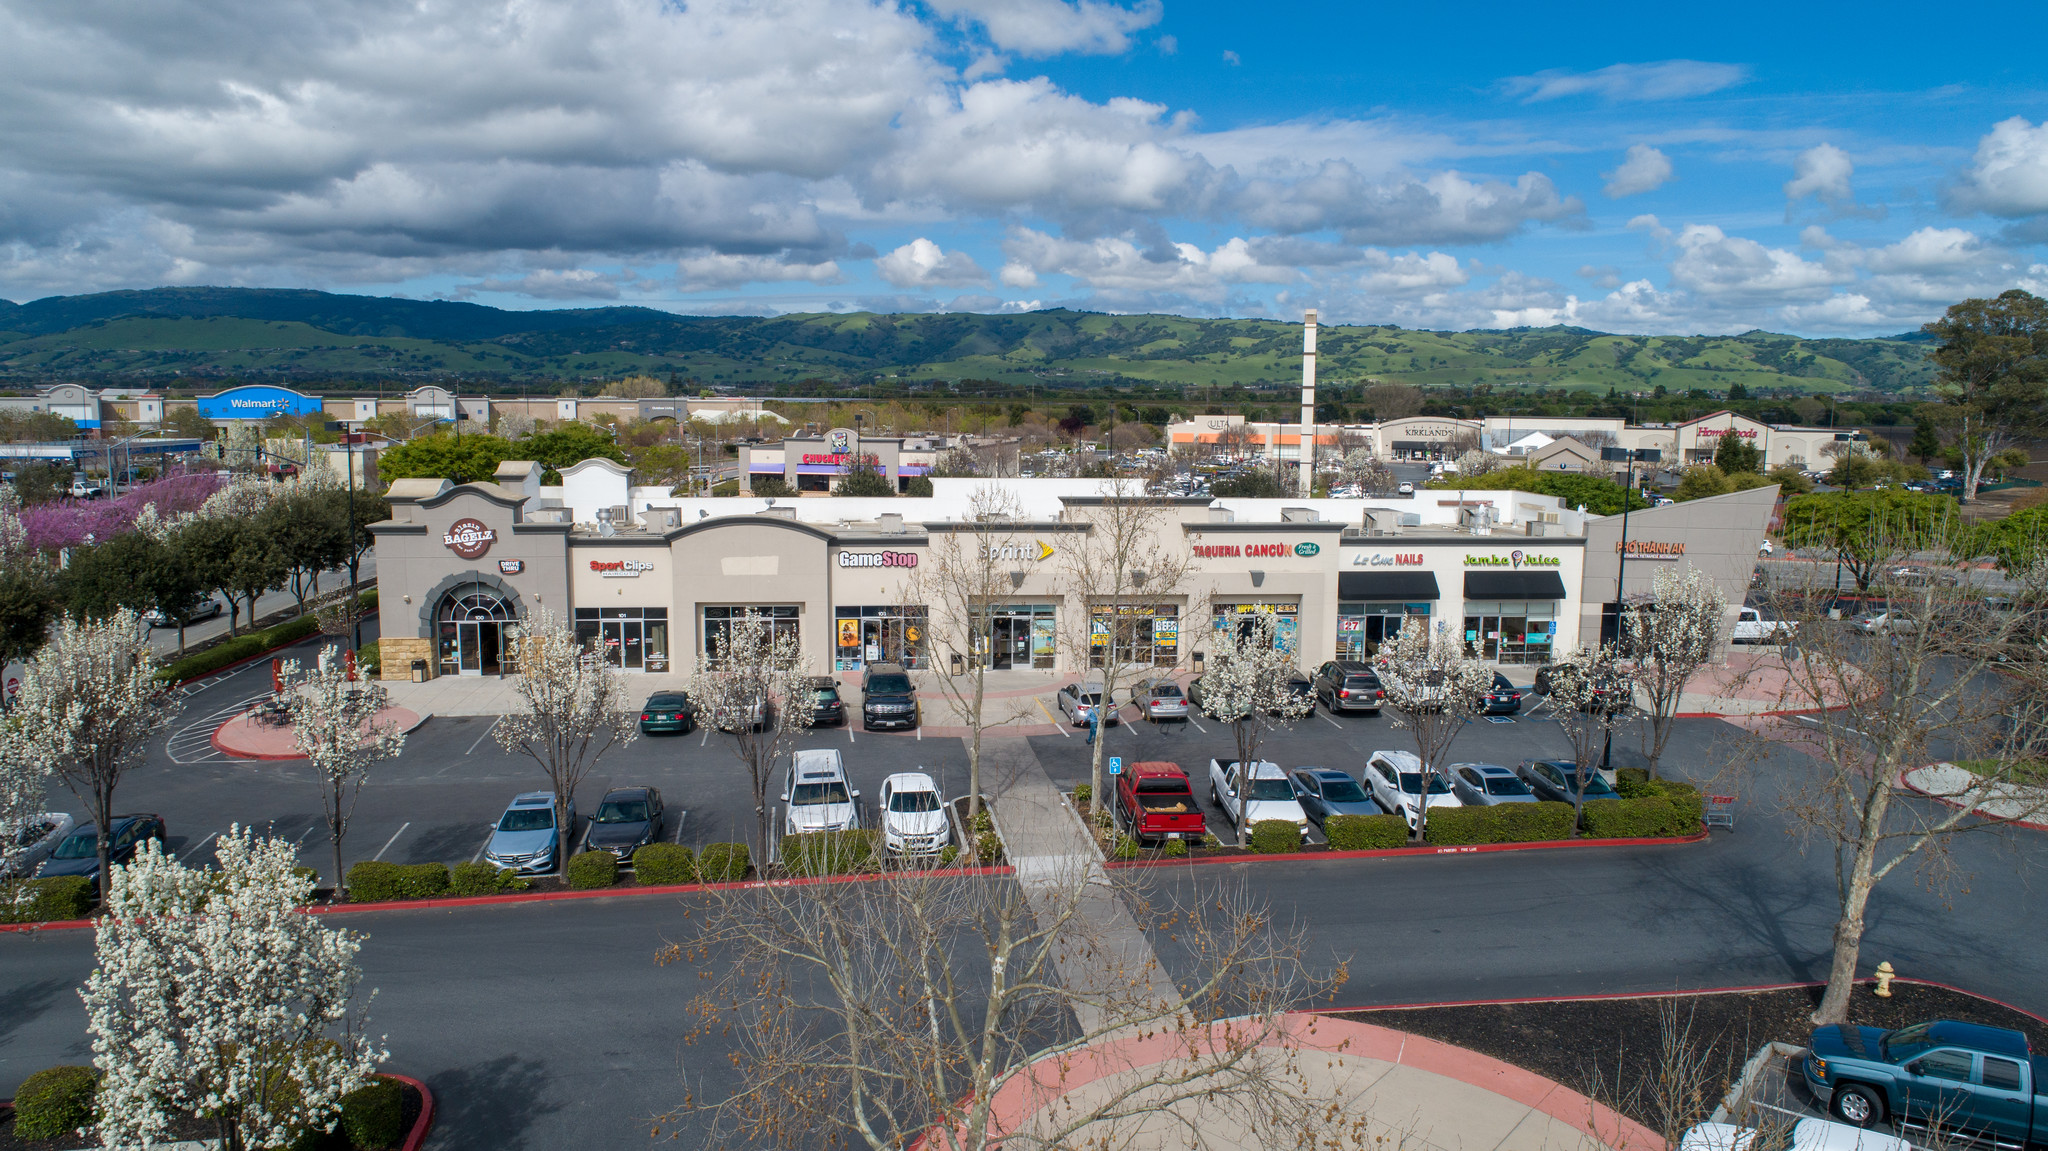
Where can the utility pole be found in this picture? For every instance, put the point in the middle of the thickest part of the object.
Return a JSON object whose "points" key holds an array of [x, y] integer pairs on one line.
{"points": [[1307, 451]]}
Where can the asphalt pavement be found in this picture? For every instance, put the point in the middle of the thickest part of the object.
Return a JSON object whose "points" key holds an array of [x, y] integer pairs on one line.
{"points": [[545, 1025]]}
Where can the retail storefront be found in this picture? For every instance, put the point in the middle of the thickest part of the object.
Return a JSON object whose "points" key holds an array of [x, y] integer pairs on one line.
{"points": [[1023, 635], [1145, 635]]}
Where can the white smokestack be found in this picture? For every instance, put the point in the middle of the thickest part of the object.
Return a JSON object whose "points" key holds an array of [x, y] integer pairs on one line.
{"points": [[1308, 404]]}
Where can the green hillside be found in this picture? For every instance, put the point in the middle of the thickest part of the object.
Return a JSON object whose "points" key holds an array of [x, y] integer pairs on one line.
{"points": [[257, 333]]}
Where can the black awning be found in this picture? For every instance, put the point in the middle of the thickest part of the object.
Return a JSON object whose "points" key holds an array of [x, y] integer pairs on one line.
{"points": [[1513, 585], [1387, 586]]}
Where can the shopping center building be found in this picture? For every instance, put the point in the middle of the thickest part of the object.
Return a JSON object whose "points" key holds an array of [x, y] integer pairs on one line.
{"points": [[656, 581]]}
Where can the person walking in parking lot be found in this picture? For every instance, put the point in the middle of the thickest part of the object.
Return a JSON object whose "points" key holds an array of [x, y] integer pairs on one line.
{"points": [[1094, 723]]}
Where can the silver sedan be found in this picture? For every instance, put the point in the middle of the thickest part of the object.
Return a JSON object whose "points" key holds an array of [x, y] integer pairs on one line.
{"points": [[1079, 701], [1487, 784], [1160, 700]]}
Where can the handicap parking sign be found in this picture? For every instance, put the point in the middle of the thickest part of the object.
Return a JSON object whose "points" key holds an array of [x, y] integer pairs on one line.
{"points": [[1116, 765]]}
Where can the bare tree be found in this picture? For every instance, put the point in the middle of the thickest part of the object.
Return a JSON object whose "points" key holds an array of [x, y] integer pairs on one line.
{"points": [[1435, 685], [1933, 676], [1666, 641], [1590, 693], [1246, 685], [1393, 401], [573, 712], [89, 705], [749, 684], [968, 578], [892, 1012], [1121, 573]]}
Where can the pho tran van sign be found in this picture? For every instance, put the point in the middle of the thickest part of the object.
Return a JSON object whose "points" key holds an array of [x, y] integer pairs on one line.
{"points": [[1649, 549]]}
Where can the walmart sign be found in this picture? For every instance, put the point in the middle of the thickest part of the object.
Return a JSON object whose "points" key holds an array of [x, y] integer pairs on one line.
{"points": [[257, 402]]}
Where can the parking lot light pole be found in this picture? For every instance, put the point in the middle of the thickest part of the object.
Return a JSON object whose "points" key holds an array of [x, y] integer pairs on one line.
{"points": [[1628, 491]]}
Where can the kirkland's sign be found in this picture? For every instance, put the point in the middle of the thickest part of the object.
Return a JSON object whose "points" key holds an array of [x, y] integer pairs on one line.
{"points": [[257, 402]]}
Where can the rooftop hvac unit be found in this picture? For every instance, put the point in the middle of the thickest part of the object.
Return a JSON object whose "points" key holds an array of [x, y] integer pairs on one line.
{"points": [[620, 515], [1410, 519]]}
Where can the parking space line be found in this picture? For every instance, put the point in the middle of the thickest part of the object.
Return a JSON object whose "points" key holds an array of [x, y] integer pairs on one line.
{"points": [[680, 817], [1331, 722], [849, 733], [487, 732], [1056, 724], [392, 840], [1198, 727], [480, 847], [183, 855], [706, 741]]}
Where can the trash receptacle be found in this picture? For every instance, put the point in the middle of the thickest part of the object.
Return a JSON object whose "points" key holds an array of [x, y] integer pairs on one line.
{"points": [[419, 671], [959, 666], [1198, 662]]}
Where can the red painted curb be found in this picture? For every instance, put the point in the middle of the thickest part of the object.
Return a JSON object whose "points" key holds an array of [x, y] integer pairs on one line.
{"points": [[425, 1123], [1399, 852], [1905, 778], [1604, 997], [547, 896]]}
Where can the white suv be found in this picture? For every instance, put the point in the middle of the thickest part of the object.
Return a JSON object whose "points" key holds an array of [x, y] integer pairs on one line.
{"points": [[816, 797], [913, 815], [1395, 778]]}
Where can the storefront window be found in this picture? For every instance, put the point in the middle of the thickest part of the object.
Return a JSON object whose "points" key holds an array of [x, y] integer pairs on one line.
{"points": [[893, 633], [1239, 615], [1020, 636], [718, 624], [1363, 627], [472, 625], [1144, 635], [630, 638], [1511, 631]]}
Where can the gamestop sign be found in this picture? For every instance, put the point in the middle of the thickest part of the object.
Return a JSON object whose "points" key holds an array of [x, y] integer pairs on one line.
{"points": [[878, 559]]}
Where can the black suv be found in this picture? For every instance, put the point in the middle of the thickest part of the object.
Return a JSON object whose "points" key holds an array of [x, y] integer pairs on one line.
{"points": [[827, 710], [887, 697], [79, 854], [1348, 685]]}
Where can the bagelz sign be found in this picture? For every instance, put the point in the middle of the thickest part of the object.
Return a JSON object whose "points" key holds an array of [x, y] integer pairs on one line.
{"points": [[468, 538]]}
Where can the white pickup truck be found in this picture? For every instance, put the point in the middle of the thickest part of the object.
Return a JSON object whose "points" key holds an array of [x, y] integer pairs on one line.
{"points": [[1752, 627], [1271, 793]]}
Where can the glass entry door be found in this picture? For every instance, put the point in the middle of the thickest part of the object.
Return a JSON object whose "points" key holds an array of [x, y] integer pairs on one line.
{"points": [[623, 646], [1010, 642], [478, 644]]}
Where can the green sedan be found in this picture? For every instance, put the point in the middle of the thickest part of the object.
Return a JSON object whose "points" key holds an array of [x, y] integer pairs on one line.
{"points": [[668, 711]]}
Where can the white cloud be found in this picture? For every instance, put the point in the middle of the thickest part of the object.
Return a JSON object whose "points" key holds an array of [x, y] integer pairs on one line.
{"points": [[1644, 169], [709, 271], [1715, 264], [2009, 175], [1444, 208], [923, 264], [1822, 170], [1116, 264], [1410, 273], [1050, 27], [1664, 80], [553, 284]]}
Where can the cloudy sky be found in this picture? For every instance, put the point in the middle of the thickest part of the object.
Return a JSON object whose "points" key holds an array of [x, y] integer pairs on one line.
{"points": [[1815, 168]]}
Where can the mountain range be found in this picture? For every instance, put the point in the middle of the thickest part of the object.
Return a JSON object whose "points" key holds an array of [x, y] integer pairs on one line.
{"points": [[308, 336]]}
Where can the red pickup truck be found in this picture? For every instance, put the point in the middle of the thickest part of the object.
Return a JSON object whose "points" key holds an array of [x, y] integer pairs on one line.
{"points": [[1154, 801]]}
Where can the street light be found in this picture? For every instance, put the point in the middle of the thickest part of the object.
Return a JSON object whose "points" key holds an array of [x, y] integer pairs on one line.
{"points": [[1630, 456]]}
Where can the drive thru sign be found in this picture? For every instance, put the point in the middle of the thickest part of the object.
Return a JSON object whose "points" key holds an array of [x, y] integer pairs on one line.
{"points": [[1116, 765]]}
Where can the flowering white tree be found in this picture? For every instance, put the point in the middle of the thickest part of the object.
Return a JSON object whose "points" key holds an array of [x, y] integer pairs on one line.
{"points": [[214, 995], [574, 712], [1590, 692], [333, 713], [1435, 685], [750, 685], [90, 703], [1665, 642], [1244, 684], [24, 780]]}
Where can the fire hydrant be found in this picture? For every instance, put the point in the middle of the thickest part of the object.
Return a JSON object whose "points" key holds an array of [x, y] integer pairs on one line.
{"points": [[1885, 975]]}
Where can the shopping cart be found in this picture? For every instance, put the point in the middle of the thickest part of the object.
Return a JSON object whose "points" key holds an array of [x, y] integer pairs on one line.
{"points": [[1719, 811]]}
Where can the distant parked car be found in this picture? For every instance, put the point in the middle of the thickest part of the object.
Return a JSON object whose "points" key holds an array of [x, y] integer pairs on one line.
{"points": [[1406, 488], [1155, 801], [1487, 785], [526, 840], [1752, 627], [1611, 696], [1501, 698], [627, 819], [1558, 780], [34, 840], [1885, 622], [1325, 791], [1079, 701], [1807, 1135], [913, 815], [887, 697], [1270, 795], [1395, 778], [816, 796], [79, 852], [827, 709], [668, 711], [204, 609], [1348, 685], [1160, 700]]}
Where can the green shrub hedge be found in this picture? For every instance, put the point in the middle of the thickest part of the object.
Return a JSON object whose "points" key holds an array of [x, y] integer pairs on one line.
{"points": [[1365, 832], [724, 862], [1175, 849], [374, 881], [244, 646], [832, 852], [662, 864], [369, 658], [1125, 848], [1274, 836], [1500, 823], [988, 848], [55, 1102], [1646, 817], [1083, 793], [481, 878], [45, 900], [373, 1115], [590, 870], [1627, 779]]}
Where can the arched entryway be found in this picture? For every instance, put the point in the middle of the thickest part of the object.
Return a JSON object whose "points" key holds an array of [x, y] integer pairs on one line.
{"points": [[474, 626]]}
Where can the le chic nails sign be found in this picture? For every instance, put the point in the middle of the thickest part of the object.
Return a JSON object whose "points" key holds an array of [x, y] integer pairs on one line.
{"points": [[620, 569], [469, 539]]}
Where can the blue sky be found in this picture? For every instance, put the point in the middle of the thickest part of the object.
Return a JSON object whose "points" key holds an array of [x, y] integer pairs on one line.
{"points": [[1816, 169]]}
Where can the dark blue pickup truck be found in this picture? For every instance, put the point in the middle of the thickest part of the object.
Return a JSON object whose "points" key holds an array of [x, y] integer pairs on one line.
{"points": [[1950, 1077]]}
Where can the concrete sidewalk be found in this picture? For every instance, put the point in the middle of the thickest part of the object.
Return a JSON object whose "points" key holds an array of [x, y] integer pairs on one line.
{"points": [[2027, 806]]}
